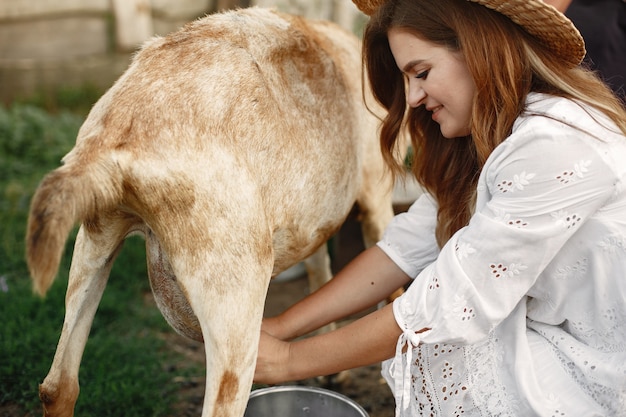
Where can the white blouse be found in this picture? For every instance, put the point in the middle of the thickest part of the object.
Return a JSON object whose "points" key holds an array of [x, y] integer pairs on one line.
{"points": [[525, 306]]}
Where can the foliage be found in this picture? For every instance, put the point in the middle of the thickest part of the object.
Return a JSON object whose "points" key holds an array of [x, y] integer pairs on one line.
{"points": [[31, 143], [76, 100], [122, 371]]}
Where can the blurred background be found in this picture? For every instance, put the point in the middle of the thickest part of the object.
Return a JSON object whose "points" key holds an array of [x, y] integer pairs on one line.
{"points": [[47, 44]]}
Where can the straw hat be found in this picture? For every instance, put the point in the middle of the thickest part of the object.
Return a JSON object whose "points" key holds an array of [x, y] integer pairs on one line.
{"points": [[539, 19]]}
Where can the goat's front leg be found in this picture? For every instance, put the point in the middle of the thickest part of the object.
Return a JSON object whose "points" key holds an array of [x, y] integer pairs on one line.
{"points": [[91, 265], [319, 272]]}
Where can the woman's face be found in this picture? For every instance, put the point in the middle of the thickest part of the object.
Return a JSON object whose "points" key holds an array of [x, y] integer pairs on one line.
{"points": [[437, 78]]}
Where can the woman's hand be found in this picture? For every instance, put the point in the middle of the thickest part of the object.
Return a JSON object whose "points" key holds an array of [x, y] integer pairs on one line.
{"points": [[272, 361]]}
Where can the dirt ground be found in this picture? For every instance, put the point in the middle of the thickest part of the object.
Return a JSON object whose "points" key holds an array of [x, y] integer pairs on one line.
{"points": [[364, 385]]}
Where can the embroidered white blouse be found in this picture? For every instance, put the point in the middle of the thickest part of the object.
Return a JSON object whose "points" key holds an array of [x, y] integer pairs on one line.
{"points": [[526, 305]]}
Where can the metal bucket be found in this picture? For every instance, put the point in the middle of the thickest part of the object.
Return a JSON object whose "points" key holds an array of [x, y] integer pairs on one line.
{"points": [[298, 401]]}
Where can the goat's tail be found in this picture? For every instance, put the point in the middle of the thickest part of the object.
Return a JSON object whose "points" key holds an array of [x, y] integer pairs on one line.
{"points": [[67, 195]]}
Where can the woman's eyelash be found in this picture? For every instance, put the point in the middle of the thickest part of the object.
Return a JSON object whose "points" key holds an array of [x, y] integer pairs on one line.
{"points": [[422, 74]]}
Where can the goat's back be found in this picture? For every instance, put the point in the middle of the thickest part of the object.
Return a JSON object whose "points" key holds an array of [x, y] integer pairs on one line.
{"points": [[238, 110], [253, 85]]}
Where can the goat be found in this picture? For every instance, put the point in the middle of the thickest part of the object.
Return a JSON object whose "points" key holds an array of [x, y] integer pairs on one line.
{"points": [[236, 147]]}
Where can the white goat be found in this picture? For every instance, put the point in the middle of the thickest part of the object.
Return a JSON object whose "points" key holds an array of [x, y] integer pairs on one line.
{"points": [[236, 146]]}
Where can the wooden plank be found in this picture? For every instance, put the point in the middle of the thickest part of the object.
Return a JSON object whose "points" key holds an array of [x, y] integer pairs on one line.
{"points": [[20, 9], [53, 39], [181, 9]]}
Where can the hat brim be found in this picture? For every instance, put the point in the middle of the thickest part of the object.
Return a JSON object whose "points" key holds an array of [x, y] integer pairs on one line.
{"points": [[539, 19]]}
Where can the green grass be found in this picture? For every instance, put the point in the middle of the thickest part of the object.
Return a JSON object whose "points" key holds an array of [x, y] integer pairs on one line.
{"points": [[123, 370]]}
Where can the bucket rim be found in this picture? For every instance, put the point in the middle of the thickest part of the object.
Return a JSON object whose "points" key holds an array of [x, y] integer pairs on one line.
{"points": [[283, 388]]}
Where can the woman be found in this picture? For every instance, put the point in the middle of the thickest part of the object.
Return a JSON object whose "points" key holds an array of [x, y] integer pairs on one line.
{"points": [[517, 251]]}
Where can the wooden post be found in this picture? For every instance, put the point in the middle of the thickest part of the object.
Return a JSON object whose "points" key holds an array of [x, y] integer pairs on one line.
{"points": [[133, 23]]}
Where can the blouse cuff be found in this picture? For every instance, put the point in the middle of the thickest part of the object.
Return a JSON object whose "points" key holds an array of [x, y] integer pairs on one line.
{"points": [[400, 368], [411, 270]]}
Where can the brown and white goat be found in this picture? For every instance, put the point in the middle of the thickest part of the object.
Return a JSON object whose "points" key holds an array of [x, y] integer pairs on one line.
{"points": [[236, 146]]}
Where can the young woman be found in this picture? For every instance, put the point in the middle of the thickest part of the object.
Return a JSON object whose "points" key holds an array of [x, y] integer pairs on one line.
{"points": [[516, 253]]}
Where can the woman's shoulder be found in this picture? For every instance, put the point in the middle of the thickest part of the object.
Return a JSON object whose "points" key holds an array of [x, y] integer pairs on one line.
{"points": [[555, 129], [547, 115], [544, 109]]}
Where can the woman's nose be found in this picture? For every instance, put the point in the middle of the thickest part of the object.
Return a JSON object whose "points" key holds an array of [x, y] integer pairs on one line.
{"points": [[416, 95]]}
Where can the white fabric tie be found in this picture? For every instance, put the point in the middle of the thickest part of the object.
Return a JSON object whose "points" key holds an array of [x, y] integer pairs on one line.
{"points": [[402, 382]]}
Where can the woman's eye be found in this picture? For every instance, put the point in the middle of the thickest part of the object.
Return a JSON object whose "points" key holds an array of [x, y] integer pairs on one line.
{"points": [[422, 74]]}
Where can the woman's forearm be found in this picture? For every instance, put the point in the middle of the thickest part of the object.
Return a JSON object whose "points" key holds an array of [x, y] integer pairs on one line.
{"points": [[368, 279], [365, 341]]}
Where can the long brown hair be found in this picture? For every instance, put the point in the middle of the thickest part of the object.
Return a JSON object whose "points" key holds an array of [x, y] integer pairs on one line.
{"points": [[505, 63]]}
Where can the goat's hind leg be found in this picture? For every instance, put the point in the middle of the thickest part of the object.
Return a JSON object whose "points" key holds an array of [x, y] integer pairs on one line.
{"points": [[91, 264], [226, 287]]}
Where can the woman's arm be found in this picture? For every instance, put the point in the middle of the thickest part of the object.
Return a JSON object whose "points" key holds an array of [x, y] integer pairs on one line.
{"points": [[368, 340], [368, 279]]}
